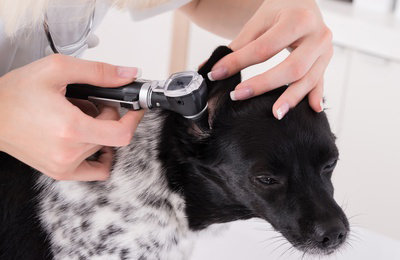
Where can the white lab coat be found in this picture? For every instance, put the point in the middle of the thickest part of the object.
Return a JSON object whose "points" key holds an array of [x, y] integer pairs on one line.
{"points": [[30, 45]]}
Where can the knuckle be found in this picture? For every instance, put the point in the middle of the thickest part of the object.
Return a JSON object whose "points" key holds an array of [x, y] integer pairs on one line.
{"points": [[99, 70], [304, 18], [261, 51], [56, 62], [56, 172], [67, 132], [104, 176], [61, 160], [327, 35], [296, 70], [310, 82], [233, 62], [295, 95], [126, 137]]}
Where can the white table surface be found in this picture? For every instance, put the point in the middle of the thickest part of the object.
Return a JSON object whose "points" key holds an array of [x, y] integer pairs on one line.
{"points": [[254, 239]]}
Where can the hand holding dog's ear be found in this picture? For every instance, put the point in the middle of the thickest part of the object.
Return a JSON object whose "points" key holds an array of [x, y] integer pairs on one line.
{"points": [[41, 128], [280, 24]]}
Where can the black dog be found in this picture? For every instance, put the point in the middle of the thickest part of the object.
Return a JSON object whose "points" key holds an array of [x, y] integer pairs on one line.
{"points": [[252, 165], [248, 164]]}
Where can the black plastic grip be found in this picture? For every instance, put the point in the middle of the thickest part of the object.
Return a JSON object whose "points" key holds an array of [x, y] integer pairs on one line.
{"points": [[129, 92]]}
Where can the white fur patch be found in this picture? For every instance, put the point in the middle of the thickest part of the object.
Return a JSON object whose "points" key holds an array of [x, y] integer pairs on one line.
{"points": [[133, 215]]}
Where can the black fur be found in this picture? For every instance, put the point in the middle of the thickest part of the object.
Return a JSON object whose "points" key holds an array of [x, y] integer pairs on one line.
{"points": [[220, 172], [20, 234]]}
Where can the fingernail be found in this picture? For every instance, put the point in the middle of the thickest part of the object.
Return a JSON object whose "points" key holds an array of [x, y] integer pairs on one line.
{"points": [[129, 72], [217, 74], [321, 105], [282, 110], [241, 94]]}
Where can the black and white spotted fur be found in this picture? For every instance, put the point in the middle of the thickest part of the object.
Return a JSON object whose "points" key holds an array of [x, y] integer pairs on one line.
{"points": [[133, 215]]}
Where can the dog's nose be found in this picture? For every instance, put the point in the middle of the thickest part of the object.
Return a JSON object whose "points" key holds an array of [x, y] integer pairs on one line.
{"points": [[330, 234]]}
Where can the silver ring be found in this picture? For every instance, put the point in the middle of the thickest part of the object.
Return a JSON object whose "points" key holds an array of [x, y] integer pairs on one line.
{"points": [[144, 95]]}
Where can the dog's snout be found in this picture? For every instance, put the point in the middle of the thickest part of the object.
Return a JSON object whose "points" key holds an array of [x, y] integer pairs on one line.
{"points": [[330, 235]]}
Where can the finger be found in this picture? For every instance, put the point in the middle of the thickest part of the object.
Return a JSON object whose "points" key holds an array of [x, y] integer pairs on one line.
{"points": [[95, 170], [65, 171], [108, 113], [108, 132], [68, 70], [85, 152], [267, 45], [85, 106], [315, 97], [293, 68], [298, 90], [250, 31]]}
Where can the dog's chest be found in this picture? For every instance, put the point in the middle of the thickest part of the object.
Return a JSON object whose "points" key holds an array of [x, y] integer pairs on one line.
{"points": [[133, 215]]}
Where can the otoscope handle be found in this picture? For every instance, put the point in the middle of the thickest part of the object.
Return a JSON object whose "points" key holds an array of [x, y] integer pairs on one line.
{"points": [[129, 92], [184, 93]]}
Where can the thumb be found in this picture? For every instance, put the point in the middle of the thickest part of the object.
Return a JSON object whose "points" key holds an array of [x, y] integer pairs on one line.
{"points": [[109, 132], [73, 70]]}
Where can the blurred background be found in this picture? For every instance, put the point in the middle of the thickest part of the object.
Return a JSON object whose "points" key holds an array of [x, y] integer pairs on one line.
{"points": [[362, 92]]}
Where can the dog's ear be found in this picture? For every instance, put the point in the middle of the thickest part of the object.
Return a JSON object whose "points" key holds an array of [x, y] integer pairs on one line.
{"points": [[218, 91], [222, 86]]}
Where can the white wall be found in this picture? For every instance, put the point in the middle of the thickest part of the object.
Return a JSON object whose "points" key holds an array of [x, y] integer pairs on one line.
{"points": [[362, 92], [145, 44]]}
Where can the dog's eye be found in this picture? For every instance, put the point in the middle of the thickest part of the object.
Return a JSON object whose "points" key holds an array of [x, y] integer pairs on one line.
{"points": [[263, 179], [330, 166]]}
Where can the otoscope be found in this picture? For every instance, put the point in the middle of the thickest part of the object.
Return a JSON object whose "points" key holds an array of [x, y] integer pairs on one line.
{"points": [[184, 93]]}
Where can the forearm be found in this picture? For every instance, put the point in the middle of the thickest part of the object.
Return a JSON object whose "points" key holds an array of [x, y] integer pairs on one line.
{"points": [[222, 17]]}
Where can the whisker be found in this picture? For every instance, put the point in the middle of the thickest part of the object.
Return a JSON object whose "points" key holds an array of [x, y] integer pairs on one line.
{"points": [[276, 248], [284, 252], [305, 251], [356, 216], [292, 251], [355, 236], [275, 242], [344, 204], [347, 243]]}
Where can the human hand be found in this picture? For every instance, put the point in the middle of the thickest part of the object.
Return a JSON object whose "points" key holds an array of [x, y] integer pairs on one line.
{"points": [[279, 24], [40, 127]]}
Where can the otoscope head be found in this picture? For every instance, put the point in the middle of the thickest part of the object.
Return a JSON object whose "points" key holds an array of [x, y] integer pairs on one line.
{"points": [[201, 120], [197, 110], [184, 93]]}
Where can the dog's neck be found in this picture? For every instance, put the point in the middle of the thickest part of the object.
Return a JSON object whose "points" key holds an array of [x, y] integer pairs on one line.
{"points": [[206, 202], [180, 149]]}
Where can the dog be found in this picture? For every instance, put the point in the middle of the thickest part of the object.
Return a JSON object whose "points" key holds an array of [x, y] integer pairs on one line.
{"points": [[176, 179]]}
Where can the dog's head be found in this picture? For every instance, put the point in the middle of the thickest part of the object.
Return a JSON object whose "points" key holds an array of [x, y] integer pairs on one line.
{"points": [[249, 164]]}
